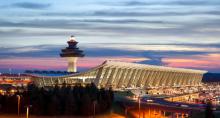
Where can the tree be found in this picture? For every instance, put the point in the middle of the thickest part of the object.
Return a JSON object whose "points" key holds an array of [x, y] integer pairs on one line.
{"points": [[208, 110], [71, 106]]}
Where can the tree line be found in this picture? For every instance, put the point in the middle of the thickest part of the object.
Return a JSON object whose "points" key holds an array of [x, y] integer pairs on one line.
{"points": [[64, 100]]}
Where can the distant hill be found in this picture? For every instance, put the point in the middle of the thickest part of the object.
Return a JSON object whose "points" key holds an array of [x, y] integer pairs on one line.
{"points": [[211, 77]]}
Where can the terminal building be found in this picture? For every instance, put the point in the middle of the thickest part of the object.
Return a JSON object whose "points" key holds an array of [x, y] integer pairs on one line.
{"points": [[119, 75]]}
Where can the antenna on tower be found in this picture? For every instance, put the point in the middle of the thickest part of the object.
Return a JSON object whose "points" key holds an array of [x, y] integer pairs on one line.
{"points": [[10, 71], [72, 38]]}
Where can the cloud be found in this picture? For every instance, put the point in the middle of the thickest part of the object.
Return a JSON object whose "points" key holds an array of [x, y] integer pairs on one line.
{"points": [[68, 24], [57, 63], [108, 12], [119, 21], [137, 24], [151, 13], [107, 49], [30, 51], [163, 47], [173, 2], [31, 5], [116, 27], [195, 3], [208, 61], [185, 56]]}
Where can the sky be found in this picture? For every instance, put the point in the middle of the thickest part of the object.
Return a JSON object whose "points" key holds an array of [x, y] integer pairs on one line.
{"points": [[174, 33]]}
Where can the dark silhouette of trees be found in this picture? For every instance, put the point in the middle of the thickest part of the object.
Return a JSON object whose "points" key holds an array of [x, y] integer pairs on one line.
{"points": [[59, 100], [209, 110]]}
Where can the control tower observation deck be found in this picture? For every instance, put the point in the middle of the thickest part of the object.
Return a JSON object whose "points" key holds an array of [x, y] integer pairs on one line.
{"points": [[71, 53]]}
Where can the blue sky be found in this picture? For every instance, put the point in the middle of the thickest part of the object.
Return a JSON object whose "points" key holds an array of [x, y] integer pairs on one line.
{"points": [[31, 22], [186, 26]]}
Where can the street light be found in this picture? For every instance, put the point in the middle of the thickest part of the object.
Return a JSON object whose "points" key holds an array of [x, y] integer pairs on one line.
{"points": [[94, 103], [27, 110], [126, 111], [19, 101], [139, 105]]}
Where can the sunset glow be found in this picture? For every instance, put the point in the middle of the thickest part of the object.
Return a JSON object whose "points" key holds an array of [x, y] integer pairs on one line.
{"points": [[59, 63], [209, 61]]}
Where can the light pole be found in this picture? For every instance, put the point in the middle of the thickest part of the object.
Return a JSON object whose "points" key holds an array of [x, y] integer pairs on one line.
{"points": [[126, 111], [27, 112], [139, 106], [19, 100], [94, 103]]}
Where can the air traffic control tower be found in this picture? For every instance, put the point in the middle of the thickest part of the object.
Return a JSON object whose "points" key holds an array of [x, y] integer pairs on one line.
{"points": [[71, 53]]}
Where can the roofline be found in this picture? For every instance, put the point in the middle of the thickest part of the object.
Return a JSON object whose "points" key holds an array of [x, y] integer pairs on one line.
{"points": [[130, 65], [110, 62]]}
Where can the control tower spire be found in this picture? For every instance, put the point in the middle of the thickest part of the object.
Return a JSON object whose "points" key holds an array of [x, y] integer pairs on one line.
{"points": [[71, 53]]}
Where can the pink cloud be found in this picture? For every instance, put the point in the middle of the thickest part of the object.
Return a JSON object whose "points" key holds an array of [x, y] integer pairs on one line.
{"points": [[59, 63], [209, 61]]}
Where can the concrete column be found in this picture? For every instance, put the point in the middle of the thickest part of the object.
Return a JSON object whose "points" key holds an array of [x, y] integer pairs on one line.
{"points": [[142, 75], [179, 79], [173, 80], [165, 79], [104, 79], [116, 79], [134, 71], [151, 77], [166, 82], [182, 79], [111, 77], [185, 76], [115, 75], [127, 77], [123, 75], [160, 78], [133, 83], [98, 78], [137, 77], [189, 78], [170, 80], [176, 79], [155, 80], [145, 80], [142, 79], [196, 79], [193, 80]]}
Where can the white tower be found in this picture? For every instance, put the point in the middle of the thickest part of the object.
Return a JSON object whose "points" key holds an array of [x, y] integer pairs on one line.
{"points": [[71, 53]]}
